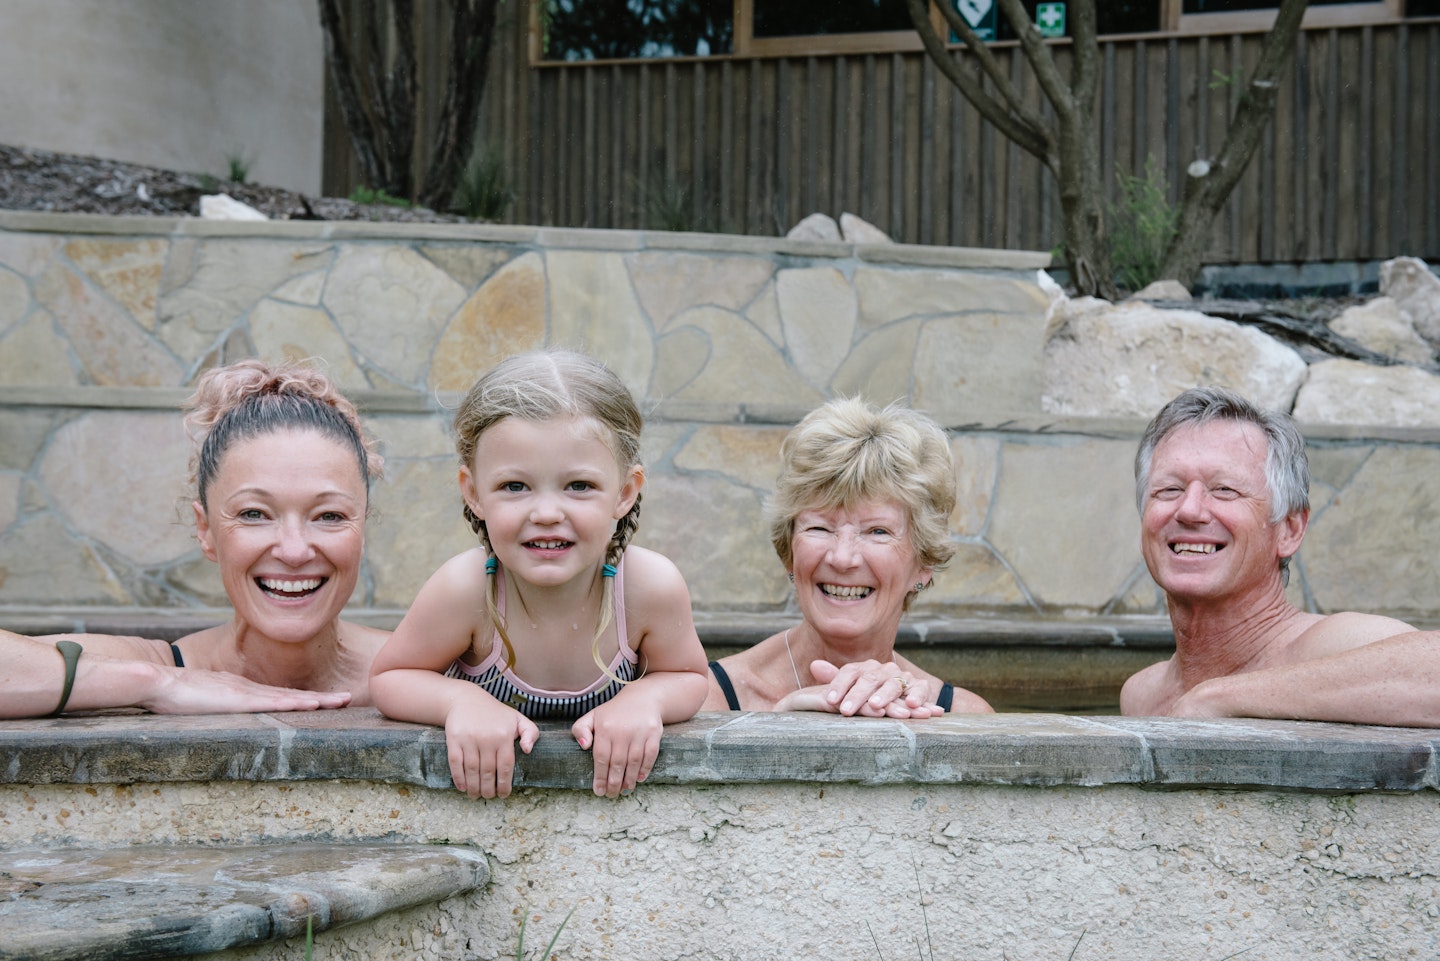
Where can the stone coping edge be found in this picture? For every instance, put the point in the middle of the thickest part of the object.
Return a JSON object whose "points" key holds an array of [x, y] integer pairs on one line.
{"points": [[923, 629], [372, 402], [721, 748], [915, 255], [89, 904]]}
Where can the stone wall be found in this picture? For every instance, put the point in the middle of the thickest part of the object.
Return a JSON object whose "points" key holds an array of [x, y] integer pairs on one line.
{"points": [[725, 340], [793, 836]]}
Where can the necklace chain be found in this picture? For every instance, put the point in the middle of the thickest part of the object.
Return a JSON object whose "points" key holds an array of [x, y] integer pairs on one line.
{"points": [[793, 669]]}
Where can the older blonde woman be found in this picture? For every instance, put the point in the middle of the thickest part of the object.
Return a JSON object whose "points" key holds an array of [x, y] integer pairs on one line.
{"points": [[860, 520]]}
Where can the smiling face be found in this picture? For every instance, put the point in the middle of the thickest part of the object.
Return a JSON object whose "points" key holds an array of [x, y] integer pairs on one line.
{"points": [[549, 493], [853, 567], [286, 523], [1206, 531]]}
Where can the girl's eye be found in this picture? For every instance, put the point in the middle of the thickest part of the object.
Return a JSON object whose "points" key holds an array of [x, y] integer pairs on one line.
{"points": [[512, 487], [580, 485]]}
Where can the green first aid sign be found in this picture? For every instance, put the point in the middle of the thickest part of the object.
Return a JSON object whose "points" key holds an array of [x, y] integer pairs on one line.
{"points": [[980, 14], [1050, 18]]}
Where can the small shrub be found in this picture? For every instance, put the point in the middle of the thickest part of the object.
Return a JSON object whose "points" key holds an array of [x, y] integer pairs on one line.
{"points": [[237, 166], [484, 191], [370, 196], [1142, 222]]}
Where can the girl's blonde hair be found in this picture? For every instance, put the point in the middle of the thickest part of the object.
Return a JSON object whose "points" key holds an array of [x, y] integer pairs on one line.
{"points": [[848, 451], [250, 397], [538, 386]]}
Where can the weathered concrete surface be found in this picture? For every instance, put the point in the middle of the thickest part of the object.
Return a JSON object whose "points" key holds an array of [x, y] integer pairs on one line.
{"points": [[161, 901], [799, 836]]}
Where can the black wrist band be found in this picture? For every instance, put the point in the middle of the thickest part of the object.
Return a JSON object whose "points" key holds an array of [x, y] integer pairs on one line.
{"points": [[71, 652]]}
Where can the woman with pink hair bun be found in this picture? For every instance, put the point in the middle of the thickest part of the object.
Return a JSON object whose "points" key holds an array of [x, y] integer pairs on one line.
{"points": [[281, 475]]}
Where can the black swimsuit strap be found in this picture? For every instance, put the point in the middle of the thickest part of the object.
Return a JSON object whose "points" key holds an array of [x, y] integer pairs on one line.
{"points": [[726, 688], [175, 652]]}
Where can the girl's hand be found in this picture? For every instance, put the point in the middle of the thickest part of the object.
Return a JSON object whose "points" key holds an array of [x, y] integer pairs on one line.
{"points": [[876, 689], [624, 742], [480, 736]]}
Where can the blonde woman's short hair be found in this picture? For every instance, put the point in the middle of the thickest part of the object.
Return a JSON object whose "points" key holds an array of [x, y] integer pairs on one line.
{"points": [[848, 451]]}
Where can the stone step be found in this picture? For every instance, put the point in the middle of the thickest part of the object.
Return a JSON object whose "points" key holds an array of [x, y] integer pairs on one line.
{"points": [[164, 901]]}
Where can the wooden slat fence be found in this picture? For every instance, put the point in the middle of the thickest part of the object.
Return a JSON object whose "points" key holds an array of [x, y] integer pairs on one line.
{"points": [[1349, 170]]}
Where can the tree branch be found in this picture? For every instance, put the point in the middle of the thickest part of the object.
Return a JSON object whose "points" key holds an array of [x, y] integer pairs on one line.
{"points": [[1036, 51], [1026, 131]]}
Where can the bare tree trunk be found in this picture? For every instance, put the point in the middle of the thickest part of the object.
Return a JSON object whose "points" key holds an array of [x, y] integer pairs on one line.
{"points": [[1069, 146], [376, 88], [1209, 182], [455, 138]]}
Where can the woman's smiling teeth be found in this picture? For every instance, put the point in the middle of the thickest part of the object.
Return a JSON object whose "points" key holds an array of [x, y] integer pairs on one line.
{"points": [[277, 586], [838, 590], [1182, 548]]}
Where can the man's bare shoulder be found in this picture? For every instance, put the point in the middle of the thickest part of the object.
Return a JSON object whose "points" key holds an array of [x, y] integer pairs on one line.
{"points": [[1150, 691], [1344, 631]]}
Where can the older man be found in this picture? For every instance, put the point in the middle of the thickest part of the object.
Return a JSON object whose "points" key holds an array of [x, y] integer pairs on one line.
{"points": [[1223, 491]]}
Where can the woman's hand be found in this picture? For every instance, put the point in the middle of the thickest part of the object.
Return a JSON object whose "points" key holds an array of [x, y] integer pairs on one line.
{"points": [[193, 691], [480, 736], [623, 735], [875, 689]]}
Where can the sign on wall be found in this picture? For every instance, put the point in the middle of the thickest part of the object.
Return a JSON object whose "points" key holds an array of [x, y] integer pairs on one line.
{"points": [[980, 14], [1050, 18]]}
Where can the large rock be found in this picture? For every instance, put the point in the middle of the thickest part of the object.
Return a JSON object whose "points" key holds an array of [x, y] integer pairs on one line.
{"points": [[1384, 328], [1349, 392], [820, 227], [858, 231], [1129, 359], [1417, 291]]}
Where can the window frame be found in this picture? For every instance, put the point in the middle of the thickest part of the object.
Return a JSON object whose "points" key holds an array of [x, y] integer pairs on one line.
{"points": [[745, 45], [1359, 13]]}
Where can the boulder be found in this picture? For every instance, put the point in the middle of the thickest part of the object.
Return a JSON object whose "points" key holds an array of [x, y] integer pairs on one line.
{"points": [[1349, 392], [226, 207], [857, 231], [1129, 359], [1384, 328], [1411, 284], [821, 227], [1162, 290]]}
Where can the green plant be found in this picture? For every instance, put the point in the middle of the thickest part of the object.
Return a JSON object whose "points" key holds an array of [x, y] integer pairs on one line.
{"points": [[366, 195], [1142, 223], [484, 191], [520, 943], [309, 935], [237, 166], [668, 206]]}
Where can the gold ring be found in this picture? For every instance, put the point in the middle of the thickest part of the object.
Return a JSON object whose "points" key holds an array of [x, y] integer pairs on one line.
{"points": [[904, 684]]}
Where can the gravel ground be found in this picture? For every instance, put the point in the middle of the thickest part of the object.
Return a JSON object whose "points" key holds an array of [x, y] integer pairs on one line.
{"points": [[65, 183]]}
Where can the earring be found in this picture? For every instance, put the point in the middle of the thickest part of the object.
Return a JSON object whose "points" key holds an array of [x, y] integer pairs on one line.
{"points": [[792, 577], [920, 586]]}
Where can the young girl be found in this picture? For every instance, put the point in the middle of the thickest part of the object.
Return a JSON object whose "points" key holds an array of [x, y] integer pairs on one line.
{"points": [[553, 617]]}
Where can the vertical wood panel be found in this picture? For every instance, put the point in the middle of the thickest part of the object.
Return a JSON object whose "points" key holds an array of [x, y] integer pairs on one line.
{"points": [[1400, 144], [1346, 170]]}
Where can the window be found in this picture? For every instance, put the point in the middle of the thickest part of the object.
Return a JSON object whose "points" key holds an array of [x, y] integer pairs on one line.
{"points": [[587, 30], [1208, 16]]}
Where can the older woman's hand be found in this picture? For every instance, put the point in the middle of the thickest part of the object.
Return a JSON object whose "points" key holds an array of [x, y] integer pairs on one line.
{"points": [[876, 689]]}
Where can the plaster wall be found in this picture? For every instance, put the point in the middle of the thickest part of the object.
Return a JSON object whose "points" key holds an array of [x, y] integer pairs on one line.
{"points": [[169, 83], [770, 836]]}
